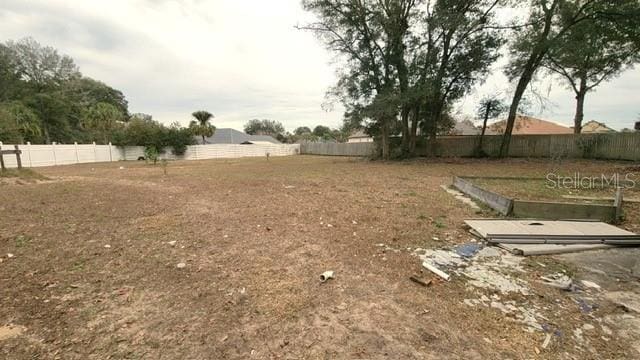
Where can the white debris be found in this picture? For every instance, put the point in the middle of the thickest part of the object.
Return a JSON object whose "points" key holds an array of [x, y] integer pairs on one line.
{"points": [[107, 246], [588, 327], [488, 251], [485, 277], [181, 265], [558, 280], [172, 243], [354, 222], [435, 270], [590, 284], [10, 255]]}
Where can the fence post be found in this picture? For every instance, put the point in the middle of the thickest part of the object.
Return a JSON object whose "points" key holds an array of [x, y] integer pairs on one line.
{"points": [[29, 153], [95, 154], [1, 158], [55, 159], [18, 158], [75, 145], [110, 152]]}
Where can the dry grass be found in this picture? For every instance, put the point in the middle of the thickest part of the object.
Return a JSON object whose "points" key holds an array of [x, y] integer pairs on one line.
{"points": [[254, 235]]}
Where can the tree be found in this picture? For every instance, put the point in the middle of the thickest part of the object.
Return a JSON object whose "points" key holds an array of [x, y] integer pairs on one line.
{"points": [[322, 131], [44, 71], [18, 123], [302, 130], [264, 127], [102, 118], [549, 22], [590, 53], [355, 30], [87, 92], [202, 126], [407, 58], [489, 107]]}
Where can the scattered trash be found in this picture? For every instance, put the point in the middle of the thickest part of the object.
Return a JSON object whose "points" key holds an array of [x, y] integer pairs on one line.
{"points": [[329, 225], [172, 243], [546, 342], [354, 222], [435, 270], [121, 167], [468, 250], [558, 280], [289, 187], [107, 246], [181, 265], [326, 276], [626, 299], [590, 284], [417, 280], [488, 252], [10, 255], [584, 306]]}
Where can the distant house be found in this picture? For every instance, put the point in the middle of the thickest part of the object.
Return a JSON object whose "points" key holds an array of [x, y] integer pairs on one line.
{"points": [[464, 127], [527, 125], [232, 136], [595, 127], [359, 136]]}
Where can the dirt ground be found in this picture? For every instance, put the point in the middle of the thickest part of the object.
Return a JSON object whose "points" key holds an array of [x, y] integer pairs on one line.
{"points": [[221, 259]]}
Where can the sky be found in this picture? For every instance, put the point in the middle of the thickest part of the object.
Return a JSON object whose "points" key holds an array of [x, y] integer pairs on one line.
{"points": [[240, 60]]}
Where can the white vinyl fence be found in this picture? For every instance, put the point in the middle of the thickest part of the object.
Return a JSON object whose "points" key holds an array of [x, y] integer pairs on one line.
{"points": [[64, 154]]}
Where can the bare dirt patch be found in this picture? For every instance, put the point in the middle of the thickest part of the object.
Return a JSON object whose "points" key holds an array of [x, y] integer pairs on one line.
{"points": [[94, 269]]}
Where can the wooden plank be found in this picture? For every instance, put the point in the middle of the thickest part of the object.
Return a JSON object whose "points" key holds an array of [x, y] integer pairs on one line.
{"points": [[10, 152], [2, 168]]}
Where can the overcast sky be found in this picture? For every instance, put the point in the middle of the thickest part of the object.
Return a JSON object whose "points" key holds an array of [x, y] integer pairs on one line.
{"points": [[237, 59]]}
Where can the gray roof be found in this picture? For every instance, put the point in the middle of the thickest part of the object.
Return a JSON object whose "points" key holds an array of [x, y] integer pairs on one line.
{"points": [[232, 136]]}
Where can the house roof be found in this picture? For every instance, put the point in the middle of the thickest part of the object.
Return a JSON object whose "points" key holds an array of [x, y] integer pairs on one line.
{"points": [[464, 127], [596, 127], [233, 136], [358, 134], [527, 125]]}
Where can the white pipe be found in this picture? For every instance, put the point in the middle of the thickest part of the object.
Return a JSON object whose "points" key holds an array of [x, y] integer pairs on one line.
{"points": [[326, 276], [436, 271]]}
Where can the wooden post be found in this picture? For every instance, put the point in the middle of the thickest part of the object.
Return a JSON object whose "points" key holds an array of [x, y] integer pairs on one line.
{"points": [[618, 203], [18, 160], [1, 159], [110, 152]]}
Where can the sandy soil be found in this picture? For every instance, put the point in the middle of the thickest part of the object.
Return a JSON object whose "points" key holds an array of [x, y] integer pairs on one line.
{"points": [[95, 251]]}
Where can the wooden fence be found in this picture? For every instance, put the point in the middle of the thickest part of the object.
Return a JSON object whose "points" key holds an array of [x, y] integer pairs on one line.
{"points": [[615, 146]]}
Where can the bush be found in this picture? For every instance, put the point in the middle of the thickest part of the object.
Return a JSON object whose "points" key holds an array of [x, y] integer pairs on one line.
{"points": [[151, 134]]}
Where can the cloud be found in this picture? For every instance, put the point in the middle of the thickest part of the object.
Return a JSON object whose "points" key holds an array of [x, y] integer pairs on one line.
{"points": [[237, 59]]}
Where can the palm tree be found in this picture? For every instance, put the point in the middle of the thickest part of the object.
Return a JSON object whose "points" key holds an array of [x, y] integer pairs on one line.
{"points": [[202, 126]]}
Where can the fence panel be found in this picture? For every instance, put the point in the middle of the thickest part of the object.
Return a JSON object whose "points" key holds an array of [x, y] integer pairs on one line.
{"points": [[615, 146], [63, 154]]}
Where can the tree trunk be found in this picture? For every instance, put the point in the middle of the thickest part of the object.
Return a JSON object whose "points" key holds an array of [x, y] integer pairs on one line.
{"points": [[484, 127], [385, 139], [580, 95], [540, 49], [404, 116], [203, 140], [414, 129], [513, 111], [47, 137]]}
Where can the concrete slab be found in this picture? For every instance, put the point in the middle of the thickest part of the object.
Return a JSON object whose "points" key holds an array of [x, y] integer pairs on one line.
{"points": [[550, 249]]}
